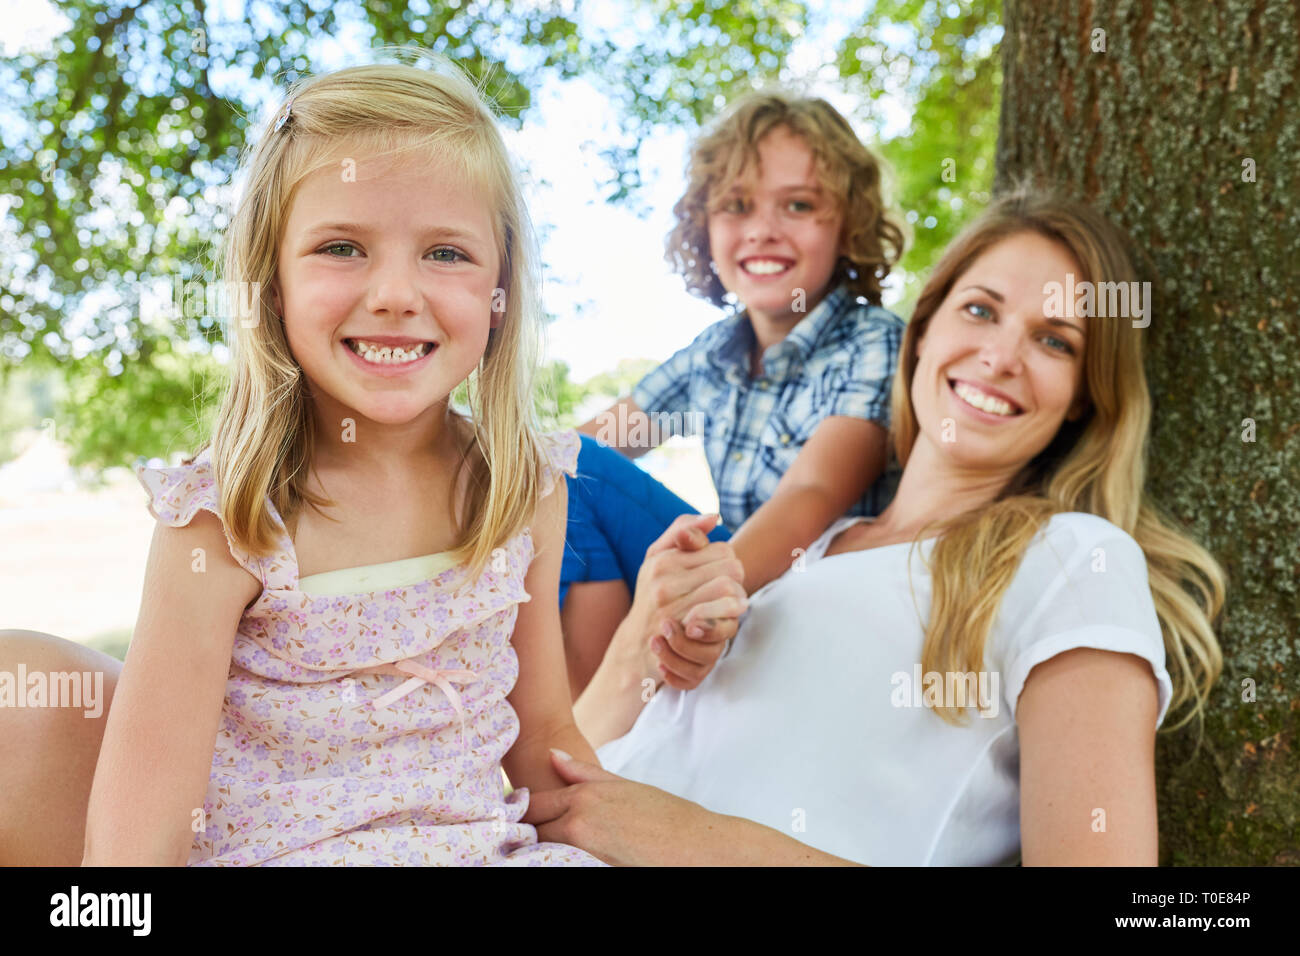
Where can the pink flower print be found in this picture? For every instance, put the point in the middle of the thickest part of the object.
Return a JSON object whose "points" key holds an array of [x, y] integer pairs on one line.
{"points": [[339, 604], [320, 605], [261, 777], [285, 827], [385, 761], [336, 651], [422, 605], [314, 798]]}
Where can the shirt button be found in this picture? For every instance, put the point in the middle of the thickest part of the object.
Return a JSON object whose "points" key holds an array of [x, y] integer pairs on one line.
{"points": [[737, 456], [785, 439]]}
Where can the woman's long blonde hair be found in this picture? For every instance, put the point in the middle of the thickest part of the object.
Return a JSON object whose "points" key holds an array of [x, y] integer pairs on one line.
{"points": [[263, 436], [1096, 465]]}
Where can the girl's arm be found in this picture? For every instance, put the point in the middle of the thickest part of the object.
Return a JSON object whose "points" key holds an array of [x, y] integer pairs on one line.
{"points": [[156, 757], [1086, 720], [541, 695], [833, 470]]}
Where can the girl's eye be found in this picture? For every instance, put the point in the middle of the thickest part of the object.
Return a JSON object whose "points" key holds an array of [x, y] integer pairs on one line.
{"points": [[452, 255], [800, 205], [733, 205], [339, 245], [975, 308]]}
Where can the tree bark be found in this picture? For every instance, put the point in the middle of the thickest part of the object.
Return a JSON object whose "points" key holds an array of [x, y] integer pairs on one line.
{"points": [[1186, 130]]}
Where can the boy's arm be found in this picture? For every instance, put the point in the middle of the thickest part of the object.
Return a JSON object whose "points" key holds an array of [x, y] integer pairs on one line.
{"points": [[625, 427], [833, 470], [156, 756], [541, 695]]}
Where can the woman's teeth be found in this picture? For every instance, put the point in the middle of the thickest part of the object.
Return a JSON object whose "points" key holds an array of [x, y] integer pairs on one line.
{"points": [[985, 403], [388, 354], [764, 267]]}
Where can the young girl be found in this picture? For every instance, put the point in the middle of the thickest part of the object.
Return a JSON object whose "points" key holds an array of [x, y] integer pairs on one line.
{"points": [[783, 215], [353, 587]]}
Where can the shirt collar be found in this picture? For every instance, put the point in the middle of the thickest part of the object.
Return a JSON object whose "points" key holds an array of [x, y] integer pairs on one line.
{"points": [[737, 337]]}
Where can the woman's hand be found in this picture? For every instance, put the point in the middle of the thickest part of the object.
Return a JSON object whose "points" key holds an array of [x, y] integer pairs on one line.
{"points": [[689, 598], [621, 822]]}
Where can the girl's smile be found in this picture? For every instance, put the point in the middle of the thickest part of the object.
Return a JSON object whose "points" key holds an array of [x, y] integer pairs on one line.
{"points": [[387, 286]]}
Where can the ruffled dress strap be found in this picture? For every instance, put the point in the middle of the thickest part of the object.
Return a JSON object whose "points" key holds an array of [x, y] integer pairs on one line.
{"points": [[560, 450], [177, 494]]}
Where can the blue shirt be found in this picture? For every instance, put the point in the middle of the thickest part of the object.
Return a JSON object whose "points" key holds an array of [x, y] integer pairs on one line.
{"points": [[838, 360]]}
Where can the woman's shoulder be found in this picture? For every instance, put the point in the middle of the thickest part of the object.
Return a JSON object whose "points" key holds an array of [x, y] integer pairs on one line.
{"points": [[1077, 534], [559, 457]]}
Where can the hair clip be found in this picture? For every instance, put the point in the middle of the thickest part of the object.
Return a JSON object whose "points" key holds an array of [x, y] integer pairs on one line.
{"points": [[284, 117]]}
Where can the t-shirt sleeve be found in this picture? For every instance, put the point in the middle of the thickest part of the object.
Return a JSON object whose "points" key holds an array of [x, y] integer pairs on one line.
{"points": [[870, 358], [1083, 583]]}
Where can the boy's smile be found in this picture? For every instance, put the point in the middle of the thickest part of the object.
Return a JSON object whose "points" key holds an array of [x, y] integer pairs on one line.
{"points": [[774, 235]]}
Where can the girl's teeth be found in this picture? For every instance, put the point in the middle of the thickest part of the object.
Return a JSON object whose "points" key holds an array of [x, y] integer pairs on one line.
{"points": [[386, 355], [987, 403]]}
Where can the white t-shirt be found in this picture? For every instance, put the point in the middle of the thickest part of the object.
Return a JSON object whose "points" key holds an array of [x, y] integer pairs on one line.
{"points": [[811, 723]]}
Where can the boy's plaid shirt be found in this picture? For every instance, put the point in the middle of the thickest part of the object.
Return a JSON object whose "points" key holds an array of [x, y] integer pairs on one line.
{"points": [[839, 360]]}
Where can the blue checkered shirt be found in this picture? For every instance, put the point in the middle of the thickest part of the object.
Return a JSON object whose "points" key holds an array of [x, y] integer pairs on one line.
{"points": [[838, 360]]}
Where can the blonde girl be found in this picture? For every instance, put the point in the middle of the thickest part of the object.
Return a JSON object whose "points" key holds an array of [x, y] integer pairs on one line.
{"points": [[352, 589]]}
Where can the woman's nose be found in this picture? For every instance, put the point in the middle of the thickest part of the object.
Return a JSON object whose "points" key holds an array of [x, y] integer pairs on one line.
{"points": [[1001, 351]]}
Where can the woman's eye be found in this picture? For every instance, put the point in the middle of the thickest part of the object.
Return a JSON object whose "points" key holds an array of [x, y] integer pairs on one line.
{"points": [[800, 205], [1060, 346], [976, 309]]}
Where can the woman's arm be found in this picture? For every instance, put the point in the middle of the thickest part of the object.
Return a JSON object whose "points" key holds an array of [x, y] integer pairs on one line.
{"points": [[156, 757], [1087, 761], [683, 569], [541, 695], [632, 824]]}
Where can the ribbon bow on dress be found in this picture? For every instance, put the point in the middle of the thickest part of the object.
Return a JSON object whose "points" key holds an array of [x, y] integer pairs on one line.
{"points": [[420, 675]]}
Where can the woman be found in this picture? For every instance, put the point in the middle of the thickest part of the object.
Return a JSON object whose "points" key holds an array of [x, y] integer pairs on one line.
{"points": [[1044, 586]]}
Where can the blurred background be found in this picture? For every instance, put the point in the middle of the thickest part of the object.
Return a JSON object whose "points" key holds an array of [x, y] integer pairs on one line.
{"points": [[122, 126]]}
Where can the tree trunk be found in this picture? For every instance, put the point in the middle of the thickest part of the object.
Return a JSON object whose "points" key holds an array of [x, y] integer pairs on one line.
{"points": [[1185, 127]]}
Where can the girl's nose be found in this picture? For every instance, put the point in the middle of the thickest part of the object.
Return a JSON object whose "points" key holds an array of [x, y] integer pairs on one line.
{"points": [[394, 289]]}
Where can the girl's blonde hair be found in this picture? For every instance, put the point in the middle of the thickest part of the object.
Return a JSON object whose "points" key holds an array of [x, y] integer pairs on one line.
{"points": [[847, 170], [263, 437], [1096, 465]]}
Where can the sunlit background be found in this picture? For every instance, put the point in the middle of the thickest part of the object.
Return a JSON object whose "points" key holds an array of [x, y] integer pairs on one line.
{"points": [[602, 158]]}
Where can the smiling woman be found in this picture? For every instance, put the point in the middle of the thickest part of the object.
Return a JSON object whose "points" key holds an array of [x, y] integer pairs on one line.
{"points": [[1020, 552]]}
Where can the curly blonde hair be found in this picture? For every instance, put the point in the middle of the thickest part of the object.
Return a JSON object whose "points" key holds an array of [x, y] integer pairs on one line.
{"points": [[872, 241]]}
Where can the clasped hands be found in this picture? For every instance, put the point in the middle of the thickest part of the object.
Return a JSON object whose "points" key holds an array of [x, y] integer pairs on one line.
{"points": [[690, 594]]}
